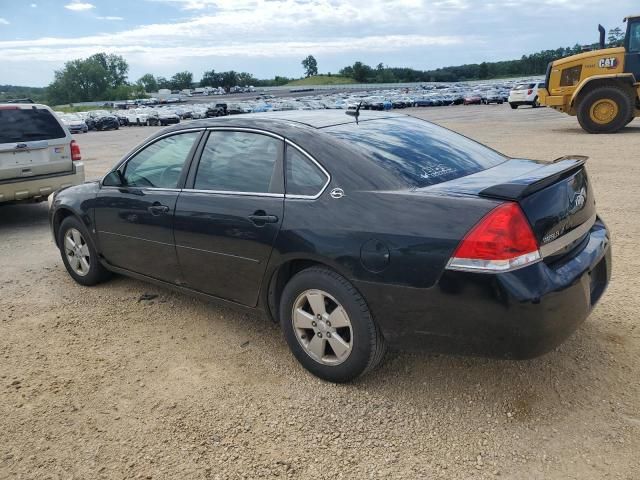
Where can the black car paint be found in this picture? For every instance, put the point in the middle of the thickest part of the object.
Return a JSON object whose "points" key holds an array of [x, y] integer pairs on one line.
{"points": [[393, 243]]}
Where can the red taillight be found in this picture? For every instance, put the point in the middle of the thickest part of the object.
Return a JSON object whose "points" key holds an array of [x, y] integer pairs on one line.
{"points": [[75, 151], [529, 92], [502, 240]]}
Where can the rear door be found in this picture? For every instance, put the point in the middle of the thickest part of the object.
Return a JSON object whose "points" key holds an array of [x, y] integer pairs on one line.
{"points": [[227, 222], [134, 208], [32, 142]]}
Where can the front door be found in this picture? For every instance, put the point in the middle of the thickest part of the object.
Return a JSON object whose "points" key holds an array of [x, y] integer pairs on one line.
{"points": [[226, 224], [135, 207]]}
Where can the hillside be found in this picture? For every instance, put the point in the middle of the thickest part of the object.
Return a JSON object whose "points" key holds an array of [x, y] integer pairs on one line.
{"points": [[321, 80]]}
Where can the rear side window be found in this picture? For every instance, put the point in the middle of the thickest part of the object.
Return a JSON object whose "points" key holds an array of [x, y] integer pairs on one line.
{"points": [[28, 125], [240, 162], [419, 153], [303, 178]]}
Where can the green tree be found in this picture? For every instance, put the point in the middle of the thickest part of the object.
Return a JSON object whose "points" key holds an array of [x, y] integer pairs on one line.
{"points": [[229, 80], [163, 83], [148, 83], [361, 72], [181, 80], [616, 37], [211, 79], [310, 66], [89, 79]]}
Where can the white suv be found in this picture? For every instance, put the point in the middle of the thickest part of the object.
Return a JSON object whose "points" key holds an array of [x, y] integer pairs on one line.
{"points": [[525, 94], [37, 153]]}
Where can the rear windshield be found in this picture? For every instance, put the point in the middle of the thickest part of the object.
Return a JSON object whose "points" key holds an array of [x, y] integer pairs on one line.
{"points": [[419, 152], [526, 86], [27, 125]]}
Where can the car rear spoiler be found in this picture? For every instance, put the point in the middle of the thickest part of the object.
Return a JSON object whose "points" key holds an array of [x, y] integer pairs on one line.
{"points": [[534, 181]]}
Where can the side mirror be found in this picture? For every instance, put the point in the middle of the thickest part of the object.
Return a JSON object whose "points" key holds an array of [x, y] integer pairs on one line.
{"points": [[114, 179]]}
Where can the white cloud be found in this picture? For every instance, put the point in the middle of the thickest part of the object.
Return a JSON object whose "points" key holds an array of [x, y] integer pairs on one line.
{"points": [[34, 5], [271, 32], [79, 6], [4, 21]]}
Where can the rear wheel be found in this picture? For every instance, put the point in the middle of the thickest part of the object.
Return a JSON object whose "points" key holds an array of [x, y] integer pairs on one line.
{"points": [[328, 326], [78, 253], [535, 103], [513, 106], [605, 110]]}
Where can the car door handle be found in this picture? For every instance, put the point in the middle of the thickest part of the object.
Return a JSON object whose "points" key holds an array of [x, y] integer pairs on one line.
{"points": [[158, 209], [260, 218]]}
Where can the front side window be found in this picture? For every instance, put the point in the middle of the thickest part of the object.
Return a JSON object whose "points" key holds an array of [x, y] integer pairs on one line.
{"points": [[303, 177], [160, 164], [634, 39], [240, 162]]}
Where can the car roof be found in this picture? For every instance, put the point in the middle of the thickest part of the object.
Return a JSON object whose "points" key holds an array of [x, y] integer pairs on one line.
{"points": [[283, 120]]}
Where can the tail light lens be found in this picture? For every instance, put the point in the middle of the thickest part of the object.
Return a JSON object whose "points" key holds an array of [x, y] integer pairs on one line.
{"points": [[529, 92], [502, 241], [75, 151]]}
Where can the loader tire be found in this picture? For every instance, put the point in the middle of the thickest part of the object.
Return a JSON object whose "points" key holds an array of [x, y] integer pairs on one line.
{"points": [[605, 109]]}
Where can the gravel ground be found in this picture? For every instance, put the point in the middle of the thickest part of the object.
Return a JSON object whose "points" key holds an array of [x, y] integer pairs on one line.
{"points": [[95, 383]]}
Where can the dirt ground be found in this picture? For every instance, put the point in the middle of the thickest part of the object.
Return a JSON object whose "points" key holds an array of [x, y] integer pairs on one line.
{"points": [[97, 384]]}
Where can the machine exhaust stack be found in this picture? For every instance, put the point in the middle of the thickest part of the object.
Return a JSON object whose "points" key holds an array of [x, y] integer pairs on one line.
{"points": [[602, 34]]}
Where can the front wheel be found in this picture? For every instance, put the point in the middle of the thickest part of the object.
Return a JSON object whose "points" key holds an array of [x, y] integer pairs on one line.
{"points": [[513, 106], [328, 326], [78, 253], [605, 110]]}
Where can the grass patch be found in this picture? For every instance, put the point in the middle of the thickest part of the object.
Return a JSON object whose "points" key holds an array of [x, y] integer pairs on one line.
{"points": [[321, 80], [78, 108]]}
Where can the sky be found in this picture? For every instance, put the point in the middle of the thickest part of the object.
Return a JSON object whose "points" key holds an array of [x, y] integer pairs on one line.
{"points": [[271, 37]]}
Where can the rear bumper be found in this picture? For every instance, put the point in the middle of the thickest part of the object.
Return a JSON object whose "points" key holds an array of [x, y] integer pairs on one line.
{"points": [[520, 314], [40, 187]]}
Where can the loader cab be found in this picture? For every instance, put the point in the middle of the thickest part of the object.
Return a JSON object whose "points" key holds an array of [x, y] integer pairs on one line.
{"points": [[632, 47]]}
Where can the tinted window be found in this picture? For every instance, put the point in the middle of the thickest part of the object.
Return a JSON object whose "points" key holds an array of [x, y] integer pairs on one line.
{"points": [[526, 86], [27, 125], [239, 162], [634, 37], [160, 164], [303, 176], [418, 152]]}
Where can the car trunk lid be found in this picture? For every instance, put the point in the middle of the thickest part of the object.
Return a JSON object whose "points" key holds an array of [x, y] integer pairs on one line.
{"points": [[556, 197]]}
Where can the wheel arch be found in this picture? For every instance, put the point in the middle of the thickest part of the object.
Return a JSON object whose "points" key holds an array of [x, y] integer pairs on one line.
{"points": [[278, 277], [625, 80], [63, 212], [58, 217]]}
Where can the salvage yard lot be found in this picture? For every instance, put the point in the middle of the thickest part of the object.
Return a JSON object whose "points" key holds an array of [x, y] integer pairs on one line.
{"points": [[97, 383]]}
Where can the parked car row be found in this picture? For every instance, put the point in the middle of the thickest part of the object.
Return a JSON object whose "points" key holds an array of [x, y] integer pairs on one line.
{"points": [[517, 93]]}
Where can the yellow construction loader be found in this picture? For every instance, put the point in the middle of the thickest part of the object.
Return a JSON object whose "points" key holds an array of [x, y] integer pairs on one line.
{"points": [[601, 87]]}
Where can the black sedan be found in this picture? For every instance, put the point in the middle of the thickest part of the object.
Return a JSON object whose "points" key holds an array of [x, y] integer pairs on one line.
{"points": [[353, 235]]}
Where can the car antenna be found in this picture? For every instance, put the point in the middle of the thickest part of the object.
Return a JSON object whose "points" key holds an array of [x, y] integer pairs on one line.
{"points": [[355, 113]]}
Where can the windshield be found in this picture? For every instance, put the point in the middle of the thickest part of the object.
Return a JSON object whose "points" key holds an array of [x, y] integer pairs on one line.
{"points": [[418, 152]]}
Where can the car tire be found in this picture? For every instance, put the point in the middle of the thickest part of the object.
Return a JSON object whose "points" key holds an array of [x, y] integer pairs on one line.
{"points": [[513, 106], [360, 344], [535, 103], [74, 241], [615, 100]]}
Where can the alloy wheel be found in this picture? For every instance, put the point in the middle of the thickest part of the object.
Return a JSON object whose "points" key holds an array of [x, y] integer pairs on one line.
{"points": [[322, 327], [77, 252]]}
